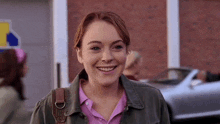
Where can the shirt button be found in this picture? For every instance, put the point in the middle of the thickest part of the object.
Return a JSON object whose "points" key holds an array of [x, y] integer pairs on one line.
{"points": [[87, 103]]}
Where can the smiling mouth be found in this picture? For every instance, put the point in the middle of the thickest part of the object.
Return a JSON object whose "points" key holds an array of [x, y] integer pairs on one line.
{"points": [[106, 69]]}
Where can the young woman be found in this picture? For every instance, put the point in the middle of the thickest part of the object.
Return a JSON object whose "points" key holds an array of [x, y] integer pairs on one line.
{"points": [[100, 93], [12, 68]]}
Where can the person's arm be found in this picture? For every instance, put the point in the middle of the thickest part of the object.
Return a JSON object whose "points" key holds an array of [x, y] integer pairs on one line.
{"points": [[37, 115], [42, 113], [8, 100]]}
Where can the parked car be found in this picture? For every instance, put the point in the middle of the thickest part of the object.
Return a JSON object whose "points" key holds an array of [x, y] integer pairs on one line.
{"points": [[187, 97]]}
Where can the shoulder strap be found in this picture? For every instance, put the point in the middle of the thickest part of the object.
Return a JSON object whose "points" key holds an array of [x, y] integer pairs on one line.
{"points": [[58, 105]]}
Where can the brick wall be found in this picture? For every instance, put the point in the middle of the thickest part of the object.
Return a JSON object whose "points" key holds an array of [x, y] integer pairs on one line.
{"points": [[145, 20], [200, 34]]}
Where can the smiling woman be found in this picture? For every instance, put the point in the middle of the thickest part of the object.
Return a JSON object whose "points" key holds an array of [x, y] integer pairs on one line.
{"points": [[101, 93], [103, 54]]}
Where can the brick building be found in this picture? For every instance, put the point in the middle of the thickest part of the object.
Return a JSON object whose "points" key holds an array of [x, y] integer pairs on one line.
{"points": [[146, 21]]}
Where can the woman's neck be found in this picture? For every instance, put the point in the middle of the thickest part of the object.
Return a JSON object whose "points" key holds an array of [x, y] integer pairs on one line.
{"points": [[93, 89]]}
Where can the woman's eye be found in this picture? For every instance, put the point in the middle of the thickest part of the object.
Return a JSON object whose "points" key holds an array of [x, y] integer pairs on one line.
{"points": [[118, 47], [95, 48]]}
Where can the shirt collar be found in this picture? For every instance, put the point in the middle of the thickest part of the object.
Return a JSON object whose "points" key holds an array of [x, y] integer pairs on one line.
{"points": [[82, 96], [120, 106]]}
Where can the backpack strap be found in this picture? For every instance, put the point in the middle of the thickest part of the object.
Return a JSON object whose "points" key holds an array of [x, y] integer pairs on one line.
{"points": [[58, 105]]}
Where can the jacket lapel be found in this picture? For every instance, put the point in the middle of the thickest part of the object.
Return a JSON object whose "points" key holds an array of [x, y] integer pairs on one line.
{"points": [[73, 103], [133, 98]]}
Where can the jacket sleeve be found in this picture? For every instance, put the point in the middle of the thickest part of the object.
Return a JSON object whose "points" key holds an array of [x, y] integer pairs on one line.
{"points": [[37, 115], [165, 118], [42, 113], [8, 100]]}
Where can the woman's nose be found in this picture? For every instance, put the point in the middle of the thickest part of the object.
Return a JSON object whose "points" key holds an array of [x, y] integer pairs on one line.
{"points": [[107, 56]]}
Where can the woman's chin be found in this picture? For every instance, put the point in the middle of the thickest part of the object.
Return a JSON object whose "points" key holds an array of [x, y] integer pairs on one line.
{"points": [[108, 82]]}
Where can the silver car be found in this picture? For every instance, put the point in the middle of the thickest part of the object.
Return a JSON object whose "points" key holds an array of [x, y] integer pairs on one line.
{"points": [[186, 96]]}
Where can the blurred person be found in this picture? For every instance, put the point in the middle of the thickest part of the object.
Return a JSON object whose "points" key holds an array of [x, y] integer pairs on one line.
{"points": [[201, 75], [207, 76], [12, 68], [100, 93], [133, 65], [211, 77]]}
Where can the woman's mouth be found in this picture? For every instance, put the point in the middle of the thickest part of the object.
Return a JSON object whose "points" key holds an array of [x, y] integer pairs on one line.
{"points": [[106, 69]]}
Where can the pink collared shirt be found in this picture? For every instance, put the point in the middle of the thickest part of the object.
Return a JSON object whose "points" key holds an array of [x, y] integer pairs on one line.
{"points": [[94, 117]]}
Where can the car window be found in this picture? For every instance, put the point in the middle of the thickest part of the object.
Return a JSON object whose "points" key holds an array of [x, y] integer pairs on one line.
{"points": [[171, 76]]}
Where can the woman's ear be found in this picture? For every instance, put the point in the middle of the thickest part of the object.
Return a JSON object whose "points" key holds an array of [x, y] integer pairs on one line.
{"points": [[79, 55]]}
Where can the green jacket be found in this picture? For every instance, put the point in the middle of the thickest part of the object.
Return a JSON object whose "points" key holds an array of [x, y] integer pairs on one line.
{"points": [[145, 105], [12, 109]]}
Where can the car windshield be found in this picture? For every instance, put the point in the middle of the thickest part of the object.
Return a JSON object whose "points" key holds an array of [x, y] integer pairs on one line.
{"points": [[171, 76]]}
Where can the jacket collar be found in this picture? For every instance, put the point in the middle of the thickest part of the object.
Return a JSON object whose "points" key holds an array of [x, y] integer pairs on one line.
{"points": [[73, 102], [131, 92]]}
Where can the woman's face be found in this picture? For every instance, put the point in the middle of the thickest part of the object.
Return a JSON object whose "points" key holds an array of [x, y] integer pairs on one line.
{"points": [[102, 53]]}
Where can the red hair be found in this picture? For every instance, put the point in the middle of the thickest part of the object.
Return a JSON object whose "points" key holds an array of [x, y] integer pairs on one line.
{"points": [[108, 17]]}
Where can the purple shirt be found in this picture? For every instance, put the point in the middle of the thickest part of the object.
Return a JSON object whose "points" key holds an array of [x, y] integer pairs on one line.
{"points": [[94, 117]]}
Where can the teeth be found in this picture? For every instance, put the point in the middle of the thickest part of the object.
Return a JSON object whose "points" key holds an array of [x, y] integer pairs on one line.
{"points": [[106, 69]]}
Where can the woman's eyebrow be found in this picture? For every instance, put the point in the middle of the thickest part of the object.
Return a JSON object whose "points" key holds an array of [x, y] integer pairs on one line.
{"points": [[91, 42], [99, 42], [116, 41]]}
